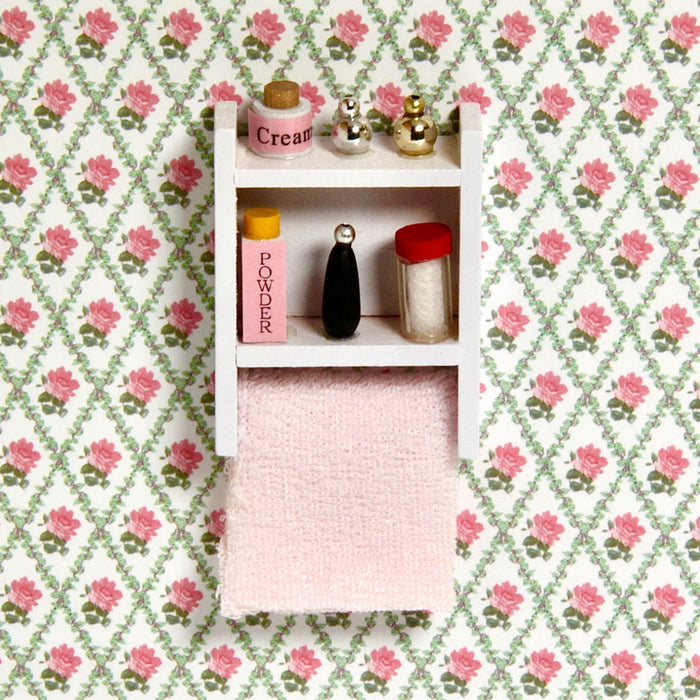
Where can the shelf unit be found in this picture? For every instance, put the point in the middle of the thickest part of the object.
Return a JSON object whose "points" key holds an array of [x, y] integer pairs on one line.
{"points": [[377, 192]]}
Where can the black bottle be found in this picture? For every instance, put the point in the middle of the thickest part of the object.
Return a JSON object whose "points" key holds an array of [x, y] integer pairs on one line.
{"points": [[340, 311]]}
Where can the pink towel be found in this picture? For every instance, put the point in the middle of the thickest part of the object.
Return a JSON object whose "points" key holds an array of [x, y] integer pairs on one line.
{"points": [[343, 494]]}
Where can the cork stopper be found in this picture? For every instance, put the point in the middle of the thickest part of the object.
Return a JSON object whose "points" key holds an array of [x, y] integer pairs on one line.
{"points": [[281, 94]]}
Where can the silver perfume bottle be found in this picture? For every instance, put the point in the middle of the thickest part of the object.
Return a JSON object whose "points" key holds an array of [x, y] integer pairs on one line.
{"points": [[351, 132]]}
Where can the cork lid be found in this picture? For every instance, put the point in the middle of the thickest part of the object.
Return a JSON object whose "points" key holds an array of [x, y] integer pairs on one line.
{"points": [[281, 94]]}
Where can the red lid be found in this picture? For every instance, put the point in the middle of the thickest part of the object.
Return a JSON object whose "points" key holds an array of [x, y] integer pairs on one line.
{"points": [[418, 242]]}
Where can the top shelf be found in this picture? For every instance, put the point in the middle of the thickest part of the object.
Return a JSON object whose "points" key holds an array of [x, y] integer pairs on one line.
{"points": [[381, 166]]}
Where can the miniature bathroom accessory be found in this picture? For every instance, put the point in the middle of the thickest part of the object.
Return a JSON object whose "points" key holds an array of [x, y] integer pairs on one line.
{"points": [[351, 132], [415, 134], [279, 126], [263, 277], [340, 311], [425, 289]]}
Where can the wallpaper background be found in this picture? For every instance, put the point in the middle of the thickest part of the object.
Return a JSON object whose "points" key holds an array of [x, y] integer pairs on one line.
{"points": [[578, 535]]}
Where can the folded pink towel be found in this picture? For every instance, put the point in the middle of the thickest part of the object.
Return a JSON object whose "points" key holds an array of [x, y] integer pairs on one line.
{"points": [[343, 494]]}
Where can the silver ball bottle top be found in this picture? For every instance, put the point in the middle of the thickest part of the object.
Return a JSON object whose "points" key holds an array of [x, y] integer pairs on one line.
{"points": [[351, 132], [344, 233]]}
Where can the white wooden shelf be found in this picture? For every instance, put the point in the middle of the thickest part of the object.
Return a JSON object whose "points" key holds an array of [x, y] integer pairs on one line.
{"points": [[377, 192], [376, 343]]}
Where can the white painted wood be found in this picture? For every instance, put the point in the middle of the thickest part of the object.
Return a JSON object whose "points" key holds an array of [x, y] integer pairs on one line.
{"points": [[377, 193]]}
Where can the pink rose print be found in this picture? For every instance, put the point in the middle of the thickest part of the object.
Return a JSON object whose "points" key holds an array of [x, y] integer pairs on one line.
{"points": [[101, 458], [102, 597], [544, 530], [432, 31], [474, 93], [215, 526], [142, 664], [633, 250], [219, 92], [98, 29], [182, 459], [584, 602], [57, 245], [141, 388], [594, 179], [22, 597], [101, 319], [512, 179], [599, 33], [673, 323], [667, 467], [221, 665], [18, 318], [553, 104], [55, 101], [514, 33], [59, 387], [625, 533], [547, 392], [181, 30], [310, 93], [677, 181], [664, 605], [620, 672], [302, 664], [16, 176], [140, 245], [99, 176], [181, 176], [20, 458], [468, 531], [62, 663], [347, 33], [591, 323], [382, 665], [462, 666], [638, 105], [139, 101], [15, 29], [505, 462], [503, 602], [181, 320], [550, 250], [682, 33], [264, 32], [141, 527], [387, 107], [587, 464], [629, 393], [540, 670], [509, 322], [61, 526], [691, 682], [183, 598]]}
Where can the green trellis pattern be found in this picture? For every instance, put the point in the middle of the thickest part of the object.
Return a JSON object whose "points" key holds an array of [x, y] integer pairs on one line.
{"points": [[578, 532]]}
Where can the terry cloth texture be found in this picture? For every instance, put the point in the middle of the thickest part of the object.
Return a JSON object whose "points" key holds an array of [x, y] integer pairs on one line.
{"points": [[343, 494]]}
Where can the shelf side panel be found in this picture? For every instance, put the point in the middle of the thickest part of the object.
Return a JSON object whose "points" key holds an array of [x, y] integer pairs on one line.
{"points": [[469, 281], [226, 414]]}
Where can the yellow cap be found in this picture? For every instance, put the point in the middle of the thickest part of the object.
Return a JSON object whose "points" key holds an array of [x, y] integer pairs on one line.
{"points": [[261, 223]]}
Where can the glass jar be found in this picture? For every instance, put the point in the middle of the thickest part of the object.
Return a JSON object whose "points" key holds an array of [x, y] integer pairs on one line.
{"points": [[425, 289]]}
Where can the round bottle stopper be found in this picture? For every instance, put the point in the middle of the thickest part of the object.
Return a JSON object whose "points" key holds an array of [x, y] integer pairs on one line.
{"points": [[413, 105], [281, 94], [344, 233], [348, 108]]}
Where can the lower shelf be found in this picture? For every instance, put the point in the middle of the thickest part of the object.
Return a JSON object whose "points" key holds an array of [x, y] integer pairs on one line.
{"points": [[376, 343]]}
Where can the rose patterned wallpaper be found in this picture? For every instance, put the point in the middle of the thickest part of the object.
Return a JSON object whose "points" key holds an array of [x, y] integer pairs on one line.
{"points": [[577, 541]]}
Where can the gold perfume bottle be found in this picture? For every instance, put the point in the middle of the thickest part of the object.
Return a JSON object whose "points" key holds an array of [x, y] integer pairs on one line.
{"points": [[414, 133]]}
